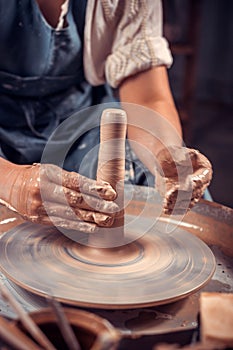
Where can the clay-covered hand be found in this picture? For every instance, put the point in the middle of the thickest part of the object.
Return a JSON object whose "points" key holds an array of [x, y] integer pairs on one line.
{"points": [[47, 194], [182, 175]]}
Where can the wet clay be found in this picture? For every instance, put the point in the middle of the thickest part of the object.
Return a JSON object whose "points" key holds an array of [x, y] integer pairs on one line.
{"points": [[111, 168], [182, 177]]}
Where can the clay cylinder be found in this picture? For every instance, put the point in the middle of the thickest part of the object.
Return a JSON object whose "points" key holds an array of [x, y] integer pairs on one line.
{"points": [[111, 168]]}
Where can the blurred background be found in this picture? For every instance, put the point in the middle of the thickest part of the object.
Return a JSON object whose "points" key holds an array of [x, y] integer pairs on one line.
{"points": [[200, 33]]}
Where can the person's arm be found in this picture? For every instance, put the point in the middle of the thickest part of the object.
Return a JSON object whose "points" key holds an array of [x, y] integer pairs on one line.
{"points": [[157, 125], [151, 89], [133, 60], [47, 194], [154, 131]]}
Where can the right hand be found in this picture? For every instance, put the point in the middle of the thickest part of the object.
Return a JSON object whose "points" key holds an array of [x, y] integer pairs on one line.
{"points": [[182, 176], [47, 194]]}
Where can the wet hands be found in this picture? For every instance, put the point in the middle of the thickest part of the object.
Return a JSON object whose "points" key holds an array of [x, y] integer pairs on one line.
{"points": [[47, 194], [182, 175]]}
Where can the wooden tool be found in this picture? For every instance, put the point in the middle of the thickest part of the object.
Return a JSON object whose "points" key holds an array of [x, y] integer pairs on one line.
{"points": [[63, 324], [15, 338], [26, 320]]}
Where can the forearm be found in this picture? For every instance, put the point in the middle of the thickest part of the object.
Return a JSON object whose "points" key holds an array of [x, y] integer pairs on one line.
{"points": [[153, 121], [5, 170], [8, 176], [11, 175]]}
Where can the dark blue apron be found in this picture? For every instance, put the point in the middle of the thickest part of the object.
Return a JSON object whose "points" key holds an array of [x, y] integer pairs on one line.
{"points": [[42, 84]]}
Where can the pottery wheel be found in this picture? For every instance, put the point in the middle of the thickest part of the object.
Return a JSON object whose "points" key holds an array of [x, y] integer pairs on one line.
{"points": [[156, 269]]}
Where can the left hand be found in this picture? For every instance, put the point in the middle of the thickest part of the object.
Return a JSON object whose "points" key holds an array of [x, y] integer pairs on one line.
{"points": [[182, 176], [47, 194]]}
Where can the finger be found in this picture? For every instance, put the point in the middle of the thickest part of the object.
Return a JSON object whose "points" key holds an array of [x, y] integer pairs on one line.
{"points": [[77, 225], [68, 197], [80, 183], [72, 225], [85, 185], [179, 202], [98, 218], [68, 213], [202, 177]]}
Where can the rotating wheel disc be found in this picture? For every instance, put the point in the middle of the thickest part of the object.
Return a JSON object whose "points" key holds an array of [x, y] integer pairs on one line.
{"points": [[155, 269]]}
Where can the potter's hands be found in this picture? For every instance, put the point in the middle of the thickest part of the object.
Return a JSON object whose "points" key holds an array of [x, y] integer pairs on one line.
{"points": [[46, 194], [182, 175]]}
